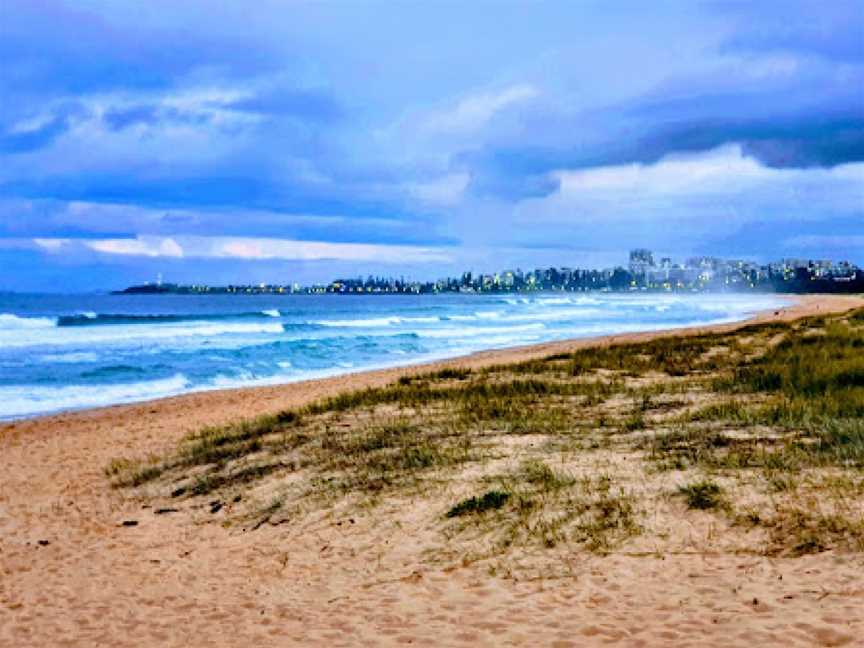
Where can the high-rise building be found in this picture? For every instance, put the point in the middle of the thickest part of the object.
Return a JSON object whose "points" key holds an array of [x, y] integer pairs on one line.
{"points": [[641, 260]]}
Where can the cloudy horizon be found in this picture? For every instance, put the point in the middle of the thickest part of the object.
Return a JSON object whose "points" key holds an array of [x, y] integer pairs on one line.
{"points": [[305, 141]]}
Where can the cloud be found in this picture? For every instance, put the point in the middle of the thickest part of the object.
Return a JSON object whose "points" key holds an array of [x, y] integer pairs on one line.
{"points": [[793, 114], [41, 130], [50, 245], [833, 33], [120, 118], [204, 109], [243, 248], [54, 46], [258, 249], [47, 219], [720, 202], [281, 101], [727, 176], [143, 246], [726, 170], [475, 111], [813, 118], [21, 141], [216, 107], [444, 190]]}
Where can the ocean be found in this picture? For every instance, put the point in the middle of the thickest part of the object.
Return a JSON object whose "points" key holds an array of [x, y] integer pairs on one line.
{"points": [[63, 352]]}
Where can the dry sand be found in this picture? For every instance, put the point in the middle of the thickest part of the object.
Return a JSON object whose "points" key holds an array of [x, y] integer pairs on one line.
{"points": [[72, 574]]}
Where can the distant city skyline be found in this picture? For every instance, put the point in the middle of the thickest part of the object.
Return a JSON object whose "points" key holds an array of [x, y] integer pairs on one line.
{"points": [[642, 272], [235, 142]]}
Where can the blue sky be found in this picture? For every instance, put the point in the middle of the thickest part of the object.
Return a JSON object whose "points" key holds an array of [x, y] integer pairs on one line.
{"points": [[298, 141]]}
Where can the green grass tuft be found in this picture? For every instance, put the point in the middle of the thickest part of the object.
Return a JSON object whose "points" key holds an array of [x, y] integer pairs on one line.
{"points": [[702, 495], [493, 499]]}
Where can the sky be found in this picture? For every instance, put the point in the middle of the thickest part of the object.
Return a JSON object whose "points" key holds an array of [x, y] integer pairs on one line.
{"points": [[283, 141]]}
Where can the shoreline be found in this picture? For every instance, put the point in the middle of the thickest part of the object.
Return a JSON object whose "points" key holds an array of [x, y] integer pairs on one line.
{"points": [[212, 406], [85, 563]]}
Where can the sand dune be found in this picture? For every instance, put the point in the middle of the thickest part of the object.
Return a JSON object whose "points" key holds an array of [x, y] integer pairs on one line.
{"points": [[82, 564]]}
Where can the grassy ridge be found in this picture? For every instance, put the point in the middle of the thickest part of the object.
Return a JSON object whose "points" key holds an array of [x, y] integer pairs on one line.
{"points": [[757, 423]]}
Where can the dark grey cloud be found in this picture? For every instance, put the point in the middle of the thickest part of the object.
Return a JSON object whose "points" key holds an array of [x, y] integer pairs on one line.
{"points": [[818, 140], [817, 121], [52, 47]]}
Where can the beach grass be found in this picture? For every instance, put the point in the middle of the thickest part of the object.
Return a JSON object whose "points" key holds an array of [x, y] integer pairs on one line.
{"points": [[702, 495], [760, 430]]}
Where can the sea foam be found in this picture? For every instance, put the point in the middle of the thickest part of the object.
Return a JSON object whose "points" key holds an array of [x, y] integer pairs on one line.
{"points": [[27, 400], [11, 322]]}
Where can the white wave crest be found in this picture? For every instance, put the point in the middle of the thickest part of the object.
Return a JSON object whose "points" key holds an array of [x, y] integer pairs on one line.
{"points": [[375, 322], [359, 323], [69, 358], [29, 400], [478, 315], [11, 322], [124, 335]]}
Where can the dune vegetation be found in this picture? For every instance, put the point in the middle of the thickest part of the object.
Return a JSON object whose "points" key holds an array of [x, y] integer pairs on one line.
{"points": [[749, 441]]}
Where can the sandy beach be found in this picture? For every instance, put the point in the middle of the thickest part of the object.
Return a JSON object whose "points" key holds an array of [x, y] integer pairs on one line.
{"points": [[85, 564]]}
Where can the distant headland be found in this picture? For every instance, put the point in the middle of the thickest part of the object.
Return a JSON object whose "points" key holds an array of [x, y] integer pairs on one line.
{"points": [[643, 273]]}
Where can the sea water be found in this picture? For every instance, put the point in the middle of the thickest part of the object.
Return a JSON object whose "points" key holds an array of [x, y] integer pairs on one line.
{"points": [[60, 352]]}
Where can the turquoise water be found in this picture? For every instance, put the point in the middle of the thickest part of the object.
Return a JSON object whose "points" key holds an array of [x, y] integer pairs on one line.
{"points": [[60, 352]]}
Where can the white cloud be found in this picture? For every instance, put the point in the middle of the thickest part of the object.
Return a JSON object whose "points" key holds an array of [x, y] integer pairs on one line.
{"points": [[711, 171], [264, 248], [474, 111], [247, 248], [31, 124], [196, 104], [721, 170], [147, 246], [51, 244], [698, 187]]}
